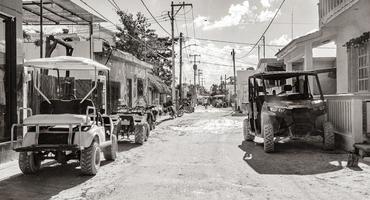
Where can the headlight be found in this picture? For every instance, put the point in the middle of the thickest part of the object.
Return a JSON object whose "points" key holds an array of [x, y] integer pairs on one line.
{"points": [[322, 107], [275, 109]]}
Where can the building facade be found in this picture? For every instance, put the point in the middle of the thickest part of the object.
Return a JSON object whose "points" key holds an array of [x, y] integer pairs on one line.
{"points": [[11, 70], [340, 22]]}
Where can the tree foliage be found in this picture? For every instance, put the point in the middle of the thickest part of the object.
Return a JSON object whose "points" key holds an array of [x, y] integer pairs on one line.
{"points": [[136, 37]]}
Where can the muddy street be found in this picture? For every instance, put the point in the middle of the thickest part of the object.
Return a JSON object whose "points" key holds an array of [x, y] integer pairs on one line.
{"points": [[201, 156]]}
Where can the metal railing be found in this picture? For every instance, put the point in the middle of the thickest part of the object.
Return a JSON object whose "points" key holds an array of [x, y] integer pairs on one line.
{"points": [[346, 113], [328, 9]]}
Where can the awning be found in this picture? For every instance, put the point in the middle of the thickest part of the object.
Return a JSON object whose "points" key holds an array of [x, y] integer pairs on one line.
{"points": [[57, 12], [158, 84], [66, 63]]}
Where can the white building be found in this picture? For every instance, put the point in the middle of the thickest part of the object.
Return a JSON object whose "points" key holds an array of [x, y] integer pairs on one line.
{"points": [[347, 24]]}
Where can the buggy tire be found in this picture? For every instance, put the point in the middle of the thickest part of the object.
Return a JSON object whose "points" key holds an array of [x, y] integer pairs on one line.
{"points": [[110, 152], [140, 134], [90, 159], [180, 113], [329, 141], [29, 164], [246, 131], [268, 136]]}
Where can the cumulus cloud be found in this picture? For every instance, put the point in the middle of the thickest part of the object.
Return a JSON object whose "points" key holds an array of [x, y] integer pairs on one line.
{"points": [[283, 40], [233, 18], [266, 3], [239, 14], [266, 15]]}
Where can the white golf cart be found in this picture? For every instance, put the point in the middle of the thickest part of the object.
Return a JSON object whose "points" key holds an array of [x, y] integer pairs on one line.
{"points": [[66, 128]]}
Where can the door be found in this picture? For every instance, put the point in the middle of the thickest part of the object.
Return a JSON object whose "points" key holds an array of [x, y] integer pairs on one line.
{"points": [[129, 92], [8, 66]]}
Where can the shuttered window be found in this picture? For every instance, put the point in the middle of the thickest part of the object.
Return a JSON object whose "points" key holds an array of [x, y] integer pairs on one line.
{"points": [[363, 69]]}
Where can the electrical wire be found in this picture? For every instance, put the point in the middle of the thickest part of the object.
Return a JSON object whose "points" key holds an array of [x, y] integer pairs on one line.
{"points": [[263, 34], [160, 25]]}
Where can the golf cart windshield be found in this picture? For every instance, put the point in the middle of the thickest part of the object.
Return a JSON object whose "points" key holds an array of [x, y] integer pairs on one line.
{"points": [[294, 86]]}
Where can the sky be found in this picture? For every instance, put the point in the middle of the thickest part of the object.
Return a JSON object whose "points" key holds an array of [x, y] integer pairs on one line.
{"points": [[230, 20]]}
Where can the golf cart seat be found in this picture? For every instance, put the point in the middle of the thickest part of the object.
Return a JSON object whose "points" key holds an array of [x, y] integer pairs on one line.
{"points": [[65, 106]]}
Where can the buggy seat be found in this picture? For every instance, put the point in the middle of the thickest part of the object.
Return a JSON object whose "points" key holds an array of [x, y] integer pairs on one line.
{"points": [[58, 106]]}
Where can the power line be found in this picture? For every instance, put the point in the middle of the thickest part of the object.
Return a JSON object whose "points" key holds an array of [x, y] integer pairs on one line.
{"points": [[119, 28], [154, 18], [113, 3], [263, 34], [221, 64]]}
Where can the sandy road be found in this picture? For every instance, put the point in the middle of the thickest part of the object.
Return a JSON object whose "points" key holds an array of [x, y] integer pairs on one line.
{"points": [[200, 156]]}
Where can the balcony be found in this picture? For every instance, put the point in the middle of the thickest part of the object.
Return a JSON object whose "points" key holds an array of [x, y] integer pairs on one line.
{"points": [[329, 9], [349, 113]]}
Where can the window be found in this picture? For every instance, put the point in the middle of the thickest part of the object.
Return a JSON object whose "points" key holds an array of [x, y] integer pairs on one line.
{"points": [[363, 69]]}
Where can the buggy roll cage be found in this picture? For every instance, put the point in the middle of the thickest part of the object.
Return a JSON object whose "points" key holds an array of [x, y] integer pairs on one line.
{"points": [[66, 63], [279, 76]]}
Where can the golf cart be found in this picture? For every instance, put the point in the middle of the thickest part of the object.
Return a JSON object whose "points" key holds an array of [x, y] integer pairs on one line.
{"points": [[137, 121], [282, 104], [65, 128]]}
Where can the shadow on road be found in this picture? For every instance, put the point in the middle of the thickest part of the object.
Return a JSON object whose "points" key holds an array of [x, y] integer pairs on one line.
{"points": [[126, 145], [49, 181], [295, 157]]}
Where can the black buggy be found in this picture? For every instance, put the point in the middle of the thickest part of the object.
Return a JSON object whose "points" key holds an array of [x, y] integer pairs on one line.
{"points": [[282, 104]]}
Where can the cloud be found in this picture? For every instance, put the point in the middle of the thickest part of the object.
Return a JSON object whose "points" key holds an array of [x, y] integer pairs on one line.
{"points": [[266, 3], [239, 14], [233, 18], [266, 15], [283, 40]]}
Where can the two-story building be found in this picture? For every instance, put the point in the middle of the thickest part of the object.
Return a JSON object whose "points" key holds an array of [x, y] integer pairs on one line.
{"points": [[346, 24]]}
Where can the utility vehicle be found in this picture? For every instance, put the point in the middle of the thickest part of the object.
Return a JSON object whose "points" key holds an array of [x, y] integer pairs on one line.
{"points": [[132, 121], [67, 127], [283, 104]]}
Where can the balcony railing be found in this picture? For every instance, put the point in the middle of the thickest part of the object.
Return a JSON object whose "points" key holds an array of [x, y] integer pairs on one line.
{"points": [[329, 9], [347, 114]]}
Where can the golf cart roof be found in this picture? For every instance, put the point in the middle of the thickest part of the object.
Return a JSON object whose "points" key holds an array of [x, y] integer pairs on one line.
{"points": [[277, 75], [66, 63]]}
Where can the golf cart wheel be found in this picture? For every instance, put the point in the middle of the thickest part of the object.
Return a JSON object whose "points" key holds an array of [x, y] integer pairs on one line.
{"points": [[268, 135], [29, 164], [180, 113], [140, 134], [246, 131], [90, 159], [328, 136], [110, 152]]}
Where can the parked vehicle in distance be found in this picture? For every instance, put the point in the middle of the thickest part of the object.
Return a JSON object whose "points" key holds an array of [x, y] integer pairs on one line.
{"points": [[132, 121], [67, 128], [282, 104]]}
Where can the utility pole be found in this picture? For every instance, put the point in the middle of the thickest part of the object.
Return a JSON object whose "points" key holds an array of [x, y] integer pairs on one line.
{"points": [[199, 74], [233, 55], [195, 67], [259, 52], [41, 29], [292, 26], [180, 80], [172, 18]]}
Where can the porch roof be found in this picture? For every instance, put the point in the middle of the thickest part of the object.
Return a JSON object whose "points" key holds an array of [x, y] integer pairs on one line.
{"points": [[57, 12], [158, 84], [298, 42]]}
